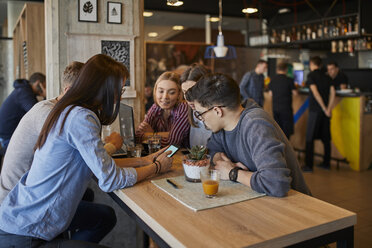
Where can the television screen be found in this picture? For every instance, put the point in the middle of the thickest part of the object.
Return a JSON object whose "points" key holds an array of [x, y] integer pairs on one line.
{"points": [[298, 77]]}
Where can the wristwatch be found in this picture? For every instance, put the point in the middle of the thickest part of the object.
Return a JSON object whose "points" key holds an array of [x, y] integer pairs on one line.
{"points": [[233, 174]]}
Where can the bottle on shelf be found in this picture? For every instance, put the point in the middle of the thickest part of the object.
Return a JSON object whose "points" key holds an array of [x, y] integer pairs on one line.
{"points": [[320, 31], [350, 46], [340, 46], [346, 48], [293, 34], [288, 36], [331, 29], [356, 25], [325, 29], [273, 36], [334, 46], [282, 36], [337, 27], [313, 32], [350, 26], [298, 35], [303, 33], [308, 32]]}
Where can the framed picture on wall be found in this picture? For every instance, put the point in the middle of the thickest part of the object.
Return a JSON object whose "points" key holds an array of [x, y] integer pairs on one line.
{"points": [[87, 11], [114, 12]]}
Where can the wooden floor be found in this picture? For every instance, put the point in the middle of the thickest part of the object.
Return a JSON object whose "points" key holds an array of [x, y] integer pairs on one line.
{"points": [[350, 190]]}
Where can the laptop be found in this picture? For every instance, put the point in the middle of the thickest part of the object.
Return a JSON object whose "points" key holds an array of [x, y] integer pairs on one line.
{"points": [[126, 127]]}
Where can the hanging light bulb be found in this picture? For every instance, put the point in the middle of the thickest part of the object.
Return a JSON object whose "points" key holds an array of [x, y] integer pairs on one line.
{"points": [[220, 50]]}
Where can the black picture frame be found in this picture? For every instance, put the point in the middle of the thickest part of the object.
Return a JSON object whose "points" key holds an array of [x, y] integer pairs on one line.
{"points": [[114, 12], [88, 10]]}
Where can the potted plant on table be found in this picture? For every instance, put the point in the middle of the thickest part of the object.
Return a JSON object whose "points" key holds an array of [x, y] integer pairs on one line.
{"points": [[196, 161]]}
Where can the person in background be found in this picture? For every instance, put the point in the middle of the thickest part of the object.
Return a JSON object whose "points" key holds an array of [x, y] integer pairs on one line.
{"points": [[149, 98], [281, 89], [321, 101], [199, 135], [16, 105], [247, 145], [168, 115], [252, 84], [69, 151], [339, 79]]}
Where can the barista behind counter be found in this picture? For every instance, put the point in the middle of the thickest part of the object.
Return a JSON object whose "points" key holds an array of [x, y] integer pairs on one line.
{"points": [[339, 80]]}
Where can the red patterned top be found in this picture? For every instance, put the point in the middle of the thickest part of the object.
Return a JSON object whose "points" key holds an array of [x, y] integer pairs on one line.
{"points": [[177, 124]]}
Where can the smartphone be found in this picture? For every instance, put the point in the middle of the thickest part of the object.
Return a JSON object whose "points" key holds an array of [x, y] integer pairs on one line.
{"points": [[172, 148]]}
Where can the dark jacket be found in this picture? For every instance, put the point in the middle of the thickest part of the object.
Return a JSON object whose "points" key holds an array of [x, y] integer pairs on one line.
{"points": [[15, 106]]}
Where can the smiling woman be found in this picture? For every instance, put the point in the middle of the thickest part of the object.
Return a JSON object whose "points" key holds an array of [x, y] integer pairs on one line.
{"points": [[168, 115]]}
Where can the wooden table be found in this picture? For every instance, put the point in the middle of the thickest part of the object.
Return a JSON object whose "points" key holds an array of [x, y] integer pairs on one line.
{"points": [[297, 220]]}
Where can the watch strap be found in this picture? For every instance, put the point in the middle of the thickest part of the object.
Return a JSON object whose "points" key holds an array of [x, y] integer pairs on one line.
{"points": [[233, 174]]}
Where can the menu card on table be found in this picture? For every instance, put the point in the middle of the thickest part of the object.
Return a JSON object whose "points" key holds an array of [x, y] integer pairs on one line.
{"points": [[192, 196]]}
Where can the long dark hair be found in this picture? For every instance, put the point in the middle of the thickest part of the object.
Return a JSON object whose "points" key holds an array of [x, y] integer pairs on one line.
{"points": [[97, 88], [193, 73]]}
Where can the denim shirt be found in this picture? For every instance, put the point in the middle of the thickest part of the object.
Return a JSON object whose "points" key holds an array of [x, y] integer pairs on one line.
{"points": [[45, 199]]}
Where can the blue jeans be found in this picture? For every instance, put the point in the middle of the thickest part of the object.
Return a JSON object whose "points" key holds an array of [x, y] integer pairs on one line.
{"points": [[91, 223]]}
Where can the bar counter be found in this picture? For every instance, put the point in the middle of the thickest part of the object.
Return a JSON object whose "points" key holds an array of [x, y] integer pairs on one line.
{"points": [[351, 127]]}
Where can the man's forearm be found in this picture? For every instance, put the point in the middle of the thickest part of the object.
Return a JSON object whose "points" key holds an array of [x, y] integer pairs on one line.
{"points": [[244, 177], [332, 96], [131, 162]]}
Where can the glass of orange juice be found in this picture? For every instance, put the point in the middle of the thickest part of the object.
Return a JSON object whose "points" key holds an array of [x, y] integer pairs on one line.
{"points": [[210, 181]]}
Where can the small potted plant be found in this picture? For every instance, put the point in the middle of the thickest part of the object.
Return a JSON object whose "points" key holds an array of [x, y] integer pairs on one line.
{"points": [[195, 162]]}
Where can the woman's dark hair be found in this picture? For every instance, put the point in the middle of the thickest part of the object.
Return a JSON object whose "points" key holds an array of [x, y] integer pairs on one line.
{"points": [[193, 73], [97, 88], [215, 90]]}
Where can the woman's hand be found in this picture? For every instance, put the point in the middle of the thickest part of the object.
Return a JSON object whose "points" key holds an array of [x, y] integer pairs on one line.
{"points": [[144, 127], [151, 157], [165, 163]]}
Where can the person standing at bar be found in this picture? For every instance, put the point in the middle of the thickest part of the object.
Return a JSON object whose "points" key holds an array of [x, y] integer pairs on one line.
{"points": [[281, 89], [321, 99], [252, 83], [339, 79]]}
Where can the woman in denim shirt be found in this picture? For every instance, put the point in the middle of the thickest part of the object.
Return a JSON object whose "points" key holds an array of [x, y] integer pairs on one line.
{"points": [[69, 151]]}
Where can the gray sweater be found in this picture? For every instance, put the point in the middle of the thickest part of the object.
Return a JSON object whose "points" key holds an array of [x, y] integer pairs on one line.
{"points": [[258, 142], [20, 152]]}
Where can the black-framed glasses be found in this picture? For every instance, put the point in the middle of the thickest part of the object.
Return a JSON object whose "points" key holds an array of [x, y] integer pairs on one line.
{"points": [[199, 116]]}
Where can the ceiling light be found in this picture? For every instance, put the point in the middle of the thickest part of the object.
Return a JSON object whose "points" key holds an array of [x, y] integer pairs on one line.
{"points": [[147, 13], [174, 3], [178, 27], [283, 10], [249, 10], [153, 34], [214, 19]]}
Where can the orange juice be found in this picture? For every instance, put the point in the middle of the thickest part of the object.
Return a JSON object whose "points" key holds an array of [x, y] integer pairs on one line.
{"points": [[210, 187]]}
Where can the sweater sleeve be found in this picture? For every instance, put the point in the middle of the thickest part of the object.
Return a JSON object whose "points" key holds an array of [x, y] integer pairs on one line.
{"points": [[272, 175], [214, 145], [180, 127]]}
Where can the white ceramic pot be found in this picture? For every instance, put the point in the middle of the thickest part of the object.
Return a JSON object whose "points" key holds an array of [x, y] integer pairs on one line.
{"points": [[192, 168]]}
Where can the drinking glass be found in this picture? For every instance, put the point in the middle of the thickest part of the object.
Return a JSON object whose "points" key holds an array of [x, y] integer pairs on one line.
{"points": [[154, 143], [137, 151], [210, 181]]}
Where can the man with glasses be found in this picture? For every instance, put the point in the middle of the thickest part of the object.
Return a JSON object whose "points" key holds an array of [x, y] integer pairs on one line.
{"points": [[247, 145]]}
